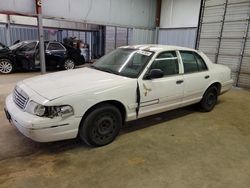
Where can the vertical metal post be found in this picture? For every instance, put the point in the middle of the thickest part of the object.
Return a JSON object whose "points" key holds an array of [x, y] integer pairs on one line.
{"points": [[8, 40], [90, 46], [59, 35], [221, 31], [198, 33], [242, 50], [104, 39], [86, 37], [40, 35], [157, 21], [156, 35], [100, 41], [41, 43], [115, 37], [127, 37]]}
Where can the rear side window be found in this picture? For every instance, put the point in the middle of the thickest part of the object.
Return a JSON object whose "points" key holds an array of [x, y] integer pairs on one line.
{"points": [[167, 62], [201, 64], [55, 46], [192, 62]]}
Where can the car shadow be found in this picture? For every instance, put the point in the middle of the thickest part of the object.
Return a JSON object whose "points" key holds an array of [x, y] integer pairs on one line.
{"points": [[32, 147], [61, 146], [153, 120]]}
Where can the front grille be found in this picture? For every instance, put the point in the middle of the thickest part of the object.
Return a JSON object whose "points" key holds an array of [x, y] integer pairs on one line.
{"points": [[20, 98]]}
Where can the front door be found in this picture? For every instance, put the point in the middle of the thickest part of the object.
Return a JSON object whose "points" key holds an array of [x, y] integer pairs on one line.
{"points": [[26, 55], [165, 93]]}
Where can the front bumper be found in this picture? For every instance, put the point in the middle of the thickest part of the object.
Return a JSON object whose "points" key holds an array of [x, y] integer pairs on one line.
{"points": [[39, 128]]}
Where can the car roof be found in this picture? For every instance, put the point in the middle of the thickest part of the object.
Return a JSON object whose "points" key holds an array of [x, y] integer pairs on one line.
{"points": [[157, 47]]}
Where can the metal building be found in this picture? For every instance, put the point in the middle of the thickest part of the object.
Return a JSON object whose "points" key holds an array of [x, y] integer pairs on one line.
{"points": [[179, 22], [224, 36]]}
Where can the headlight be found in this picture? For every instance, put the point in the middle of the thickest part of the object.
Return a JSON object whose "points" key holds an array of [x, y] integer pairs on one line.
{"points": [[64, 111], [49, 111], [35, 108]]}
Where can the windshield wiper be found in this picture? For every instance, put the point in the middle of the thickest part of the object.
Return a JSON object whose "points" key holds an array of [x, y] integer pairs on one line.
{"points": [[94, 67]]}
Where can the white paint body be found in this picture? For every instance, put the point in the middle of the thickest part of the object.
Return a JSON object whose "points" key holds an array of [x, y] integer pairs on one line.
{"points": [[85, 87]]}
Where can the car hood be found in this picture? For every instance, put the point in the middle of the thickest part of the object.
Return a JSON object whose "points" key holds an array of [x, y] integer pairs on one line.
{"points": [[56, 85], [5, 51]]}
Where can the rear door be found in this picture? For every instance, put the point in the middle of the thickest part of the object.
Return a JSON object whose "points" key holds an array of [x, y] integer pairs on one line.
{"points": [[55, 54], [161, 94], [196, 76]]}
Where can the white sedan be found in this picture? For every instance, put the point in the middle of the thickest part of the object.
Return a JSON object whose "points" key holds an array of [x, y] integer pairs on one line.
{"points": [[131, 82]]}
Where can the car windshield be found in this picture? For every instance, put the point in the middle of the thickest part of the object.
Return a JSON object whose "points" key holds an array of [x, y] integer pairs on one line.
{"points": [[15, 46], [124, 61], [24, 46]]}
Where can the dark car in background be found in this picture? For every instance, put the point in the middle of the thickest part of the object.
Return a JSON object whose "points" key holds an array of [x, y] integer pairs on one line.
{"points": [[2, 46], [25, 56]]}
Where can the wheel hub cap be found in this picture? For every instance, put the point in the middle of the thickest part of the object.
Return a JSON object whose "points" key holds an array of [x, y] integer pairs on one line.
{"points": [[69, 64], [105, 126], [5, 67]]}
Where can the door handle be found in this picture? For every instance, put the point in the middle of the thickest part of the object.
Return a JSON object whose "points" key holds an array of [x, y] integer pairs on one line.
{"points": [[207, 76], [179, 81]]}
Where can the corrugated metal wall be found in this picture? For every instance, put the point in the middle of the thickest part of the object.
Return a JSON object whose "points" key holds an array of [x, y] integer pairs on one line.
{"points": [[224, 36], [109, 39], [143, 36], [3, 34], [118, 36], [23, 33], [185, 37], [18, 32]]}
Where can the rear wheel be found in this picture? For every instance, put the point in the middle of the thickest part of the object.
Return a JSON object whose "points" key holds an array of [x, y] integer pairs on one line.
{"points": [[101, 126], [69, 64], [209, 99], [6, 66]]}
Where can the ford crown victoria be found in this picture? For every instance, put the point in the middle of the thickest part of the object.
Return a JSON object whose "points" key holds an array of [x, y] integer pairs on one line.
{"points": [[131, 82]]}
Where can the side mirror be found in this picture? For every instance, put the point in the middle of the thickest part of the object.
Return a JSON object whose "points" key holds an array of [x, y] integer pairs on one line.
{"points": [[155, 73]]}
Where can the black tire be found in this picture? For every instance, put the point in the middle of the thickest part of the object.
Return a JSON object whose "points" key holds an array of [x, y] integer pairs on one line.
{"points": [[101, 125], [209, 99], [69, 64], [6, 66]]}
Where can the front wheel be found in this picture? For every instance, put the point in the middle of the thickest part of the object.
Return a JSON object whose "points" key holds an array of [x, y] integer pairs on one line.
{"points": [[6, 66], [101, 126], [209, 99], [69, 64]]}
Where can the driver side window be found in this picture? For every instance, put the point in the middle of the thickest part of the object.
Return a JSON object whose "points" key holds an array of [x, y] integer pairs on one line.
{"points": [[29, 47], [167, 62]]}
